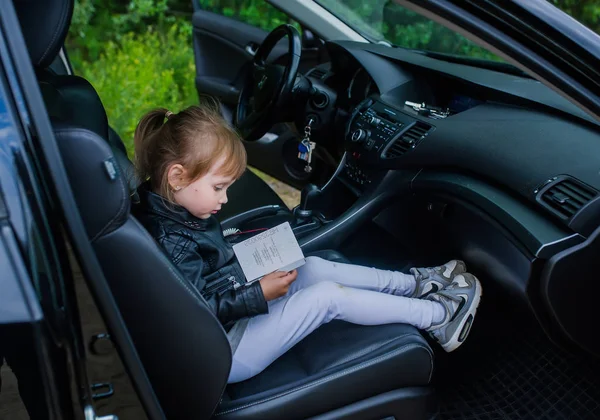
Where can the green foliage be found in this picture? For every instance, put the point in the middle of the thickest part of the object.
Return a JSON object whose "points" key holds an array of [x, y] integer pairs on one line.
{"points": [[585, 11], [384, 20], [258, 13], [141, 72], [138, 53]]}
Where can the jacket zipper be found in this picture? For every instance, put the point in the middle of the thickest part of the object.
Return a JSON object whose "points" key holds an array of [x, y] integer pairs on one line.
{"points": [[236, 285], [222, 285]]}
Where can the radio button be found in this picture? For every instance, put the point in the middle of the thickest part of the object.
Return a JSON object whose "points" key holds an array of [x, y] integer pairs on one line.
{"points": [[373, 120], [359, 135]]}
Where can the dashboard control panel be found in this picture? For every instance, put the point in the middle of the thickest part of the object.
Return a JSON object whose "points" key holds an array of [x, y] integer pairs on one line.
{"points": [[355, 173], [373, 126]]}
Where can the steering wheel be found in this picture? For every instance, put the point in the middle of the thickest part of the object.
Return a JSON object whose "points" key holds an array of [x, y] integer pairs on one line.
{"points": [[267, 86]]}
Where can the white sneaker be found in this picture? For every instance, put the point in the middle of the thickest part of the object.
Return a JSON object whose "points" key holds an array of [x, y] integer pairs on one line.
{"points": [[460, 299], [433, 279]]}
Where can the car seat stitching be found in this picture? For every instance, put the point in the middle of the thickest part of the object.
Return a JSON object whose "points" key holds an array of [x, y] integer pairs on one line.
{"points": [[56, 32], [366, 350], [174, 272]]}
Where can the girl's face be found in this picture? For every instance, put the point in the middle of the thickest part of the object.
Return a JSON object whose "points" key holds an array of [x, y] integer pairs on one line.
{"points": [[205, 195]]}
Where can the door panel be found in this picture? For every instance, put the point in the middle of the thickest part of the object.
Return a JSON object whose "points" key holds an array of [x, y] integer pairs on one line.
{"points": [[223, 49]]}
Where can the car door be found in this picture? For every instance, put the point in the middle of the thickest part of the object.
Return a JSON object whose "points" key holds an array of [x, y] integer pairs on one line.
{"points": [[225, 40]]}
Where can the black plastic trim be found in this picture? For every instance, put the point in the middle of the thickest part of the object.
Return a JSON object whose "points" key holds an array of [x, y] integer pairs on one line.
{"points": [[407, 404], [73, 223], [568, 282], [511, 30], [241, 218], [539, 235], [394, 185], [16, 284]]}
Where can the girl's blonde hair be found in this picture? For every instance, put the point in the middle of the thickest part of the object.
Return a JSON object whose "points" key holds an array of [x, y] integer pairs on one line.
{"points": [[195, 138]]}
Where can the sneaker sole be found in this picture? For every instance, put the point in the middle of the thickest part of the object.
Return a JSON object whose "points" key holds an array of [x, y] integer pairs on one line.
{"points": [[462, 333]]}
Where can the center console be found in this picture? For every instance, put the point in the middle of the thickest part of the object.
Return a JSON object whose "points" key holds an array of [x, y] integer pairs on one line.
{"points": [[372, 128], [376, 136]]}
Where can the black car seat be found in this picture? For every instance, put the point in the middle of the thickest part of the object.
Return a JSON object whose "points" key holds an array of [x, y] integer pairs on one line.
{"points": [[339, 371], [74, 100]]}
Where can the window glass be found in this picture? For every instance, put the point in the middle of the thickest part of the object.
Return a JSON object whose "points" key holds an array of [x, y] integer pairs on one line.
{"points": [[257, 13], [387, 21]]}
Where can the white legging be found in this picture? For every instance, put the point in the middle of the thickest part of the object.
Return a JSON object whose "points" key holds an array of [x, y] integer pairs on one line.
{"points": [[325, 291]]}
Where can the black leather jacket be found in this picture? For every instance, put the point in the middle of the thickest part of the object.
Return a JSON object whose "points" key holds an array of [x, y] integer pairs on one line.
{"points": [[197, 247]]}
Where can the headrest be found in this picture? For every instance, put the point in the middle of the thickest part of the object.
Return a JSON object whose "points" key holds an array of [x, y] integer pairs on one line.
{"points": [[72, 100], [98, 185], [44, 24]]}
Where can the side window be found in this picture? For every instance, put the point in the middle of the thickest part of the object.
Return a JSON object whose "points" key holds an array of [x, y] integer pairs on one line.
{"points": [[257, 13], [388, 22]]}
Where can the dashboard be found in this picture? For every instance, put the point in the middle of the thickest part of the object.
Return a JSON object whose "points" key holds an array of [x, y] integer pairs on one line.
{"points": [[402, 109], [506, 147]]}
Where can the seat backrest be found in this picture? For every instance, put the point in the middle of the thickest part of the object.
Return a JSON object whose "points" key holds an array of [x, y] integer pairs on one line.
{"points": [[182, 345], [73, 100], [70, 99]]}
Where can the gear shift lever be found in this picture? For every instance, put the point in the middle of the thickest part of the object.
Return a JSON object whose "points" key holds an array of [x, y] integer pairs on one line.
{"points": [[303, 212]]}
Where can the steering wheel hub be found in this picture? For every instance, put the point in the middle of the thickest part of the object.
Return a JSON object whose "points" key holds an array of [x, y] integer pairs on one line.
{"points": [[267, 85]]}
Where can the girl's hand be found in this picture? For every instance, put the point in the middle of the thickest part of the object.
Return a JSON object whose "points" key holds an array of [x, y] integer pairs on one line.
{"points": [[276, 284]]}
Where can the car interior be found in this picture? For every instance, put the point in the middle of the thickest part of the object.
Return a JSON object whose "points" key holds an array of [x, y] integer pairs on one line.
{"points": [[420, 160]]}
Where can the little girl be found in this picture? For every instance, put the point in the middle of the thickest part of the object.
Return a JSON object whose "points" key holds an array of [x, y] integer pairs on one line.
{"points": [[189, 160]]}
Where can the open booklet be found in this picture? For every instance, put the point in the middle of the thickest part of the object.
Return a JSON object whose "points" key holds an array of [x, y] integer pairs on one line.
{"points": [[273, 250]]}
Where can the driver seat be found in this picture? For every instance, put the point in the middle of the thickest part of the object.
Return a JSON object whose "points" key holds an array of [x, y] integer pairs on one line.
{"points": [[341, 370], [74, 100]]}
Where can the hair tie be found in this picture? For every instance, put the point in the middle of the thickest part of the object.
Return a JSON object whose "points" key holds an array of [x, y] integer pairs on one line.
{"points": [[168, 114]]}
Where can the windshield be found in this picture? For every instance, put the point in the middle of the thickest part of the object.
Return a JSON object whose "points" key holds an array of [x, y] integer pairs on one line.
{"points": [[388, 22]]}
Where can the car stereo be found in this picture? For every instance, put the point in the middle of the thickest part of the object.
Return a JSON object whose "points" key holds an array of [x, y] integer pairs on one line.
{"points": [[372, 128]]}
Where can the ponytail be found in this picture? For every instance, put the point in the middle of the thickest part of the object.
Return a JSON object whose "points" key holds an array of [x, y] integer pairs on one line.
{"points": [[196, 138], [144, 141]]}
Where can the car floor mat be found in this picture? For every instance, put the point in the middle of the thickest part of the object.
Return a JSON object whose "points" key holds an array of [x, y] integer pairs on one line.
{"points": [[509, 369]]}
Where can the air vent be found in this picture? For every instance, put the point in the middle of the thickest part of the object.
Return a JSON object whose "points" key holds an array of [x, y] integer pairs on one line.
{"points": [[566, 196], [317, 73], [409, 139]]}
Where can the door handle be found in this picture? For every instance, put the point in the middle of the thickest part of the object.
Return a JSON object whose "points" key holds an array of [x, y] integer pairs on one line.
{"points": [[251, 48], [108, 387]]}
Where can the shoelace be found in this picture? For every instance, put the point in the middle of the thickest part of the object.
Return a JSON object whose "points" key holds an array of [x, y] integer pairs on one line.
{"points": [[425, 272], [446, 299]]}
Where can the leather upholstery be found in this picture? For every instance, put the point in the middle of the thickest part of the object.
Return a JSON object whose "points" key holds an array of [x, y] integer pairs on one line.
{"points": [[336, 365], [106, 204], [184, 348], [355, 355], [182, 345], [73, 100], [44, 25]]}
